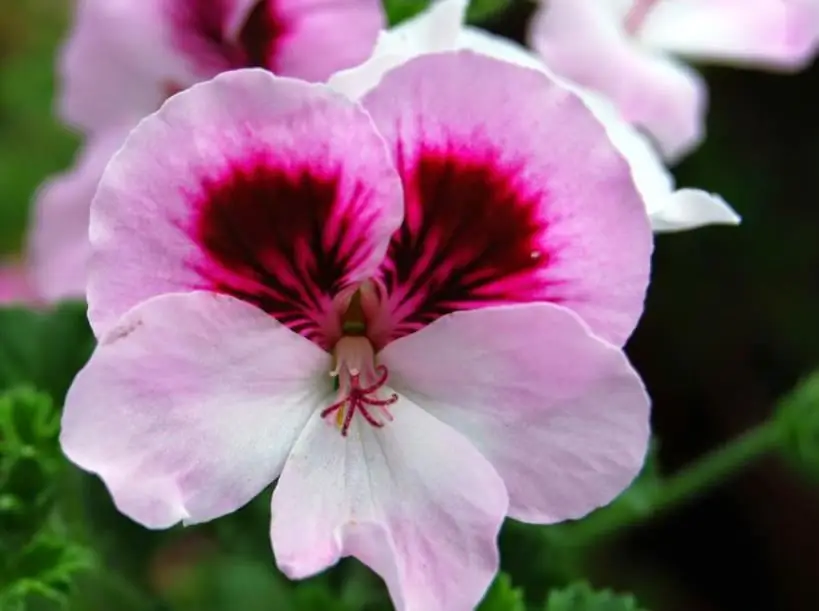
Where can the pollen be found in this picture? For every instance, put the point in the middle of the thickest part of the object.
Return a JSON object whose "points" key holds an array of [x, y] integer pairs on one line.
{"points": [[360, 386]]}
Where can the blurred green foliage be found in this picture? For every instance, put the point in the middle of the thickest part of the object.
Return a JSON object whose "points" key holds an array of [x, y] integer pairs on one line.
{"points": [[581, 597]]}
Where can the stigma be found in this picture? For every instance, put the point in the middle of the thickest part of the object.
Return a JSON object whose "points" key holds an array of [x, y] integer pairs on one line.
{"points": [[360, 385]]}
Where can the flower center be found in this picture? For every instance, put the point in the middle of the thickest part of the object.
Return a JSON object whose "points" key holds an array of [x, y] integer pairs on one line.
{"points": [[637, 15], [360, 384]]}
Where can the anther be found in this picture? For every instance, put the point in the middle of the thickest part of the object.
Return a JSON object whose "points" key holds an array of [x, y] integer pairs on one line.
{"points": [[359, 398]]}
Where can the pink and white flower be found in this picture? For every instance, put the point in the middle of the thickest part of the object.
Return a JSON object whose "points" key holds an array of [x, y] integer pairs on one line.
{"points": [[442, 28], [464, 268], [125, 57], [629, 50]]}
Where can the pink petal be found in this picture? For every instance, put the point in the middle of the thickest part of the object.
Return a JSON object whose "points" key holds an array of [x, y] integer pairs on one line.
{"points": [[583, 41], [436, 28], [59, 247], [190, 405], [15, 285], [272, 190], [521, 199], [559, 413], [772, 33], [117, 64], [324, 36], [414, 501], [125, 57], [308, 39]]}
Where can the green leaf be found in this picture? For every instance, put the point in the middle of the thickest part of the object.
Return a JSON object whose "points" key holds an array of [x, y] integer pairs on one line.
{"points": [[401, 10], [481, 10], [798, 419], [477, 12], [502, 596], [46, 569], [581, 597], [29, 463], [44, 349]]}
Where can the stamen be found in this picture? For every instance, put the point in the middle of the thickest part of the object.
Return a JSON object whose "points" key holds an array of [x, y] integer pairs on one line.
{"points": [[360, 399]]}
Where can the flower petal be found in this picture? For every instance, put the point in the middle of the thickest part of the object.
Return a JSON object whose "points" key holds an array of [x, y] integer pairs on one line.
{"points": [[269, 189], [59, 247], [772, 33], [117, 64], [690, 208], [15, 284], [521, 199], [436, 28], [324, 36], [414, 501], [308, 39], [582, 40], [559, 413], [190, 405]]}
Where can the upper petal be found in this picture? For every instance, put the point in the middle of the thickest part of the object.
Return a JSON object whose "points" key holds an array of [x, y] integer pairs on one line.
{"points": [[59, 249], [559, 413], [437, 28], [518, 199], [269, 189], [308, 39], [414, 501], [323, 36], [117, 63], [774, 33], [583, 41], [190, 405]]}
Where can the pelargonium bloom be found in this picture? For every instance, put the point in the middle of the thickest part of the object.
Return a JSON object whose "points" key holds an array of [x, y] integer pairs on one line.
{"points": [[124, 57], [628, 49], [407, 310], [442, 28]]}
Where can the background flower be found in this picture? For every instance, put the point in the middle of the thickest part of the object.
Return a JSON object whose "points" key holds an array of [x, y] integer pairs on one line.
{"points": [[628, 49]]}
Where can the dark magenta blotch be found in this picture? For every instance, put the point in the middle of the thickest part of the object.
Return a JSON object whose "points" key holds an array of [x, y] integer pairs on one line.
{"points": [[200, 32], [263, 233], [476, 241]]}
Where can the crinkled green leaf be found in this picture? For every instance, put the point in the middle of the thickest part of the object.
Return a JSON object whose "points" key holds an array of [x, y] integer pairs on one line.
{"points": [[43, 349], [503, 596], [43, 569], [581, 597], [29, 463]]}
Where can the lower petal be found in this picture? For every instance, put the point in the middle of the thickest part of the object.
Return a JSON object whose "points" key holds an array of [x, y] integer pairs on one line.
{"points": [[559, 413], [190, 405], [415, 501]]}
